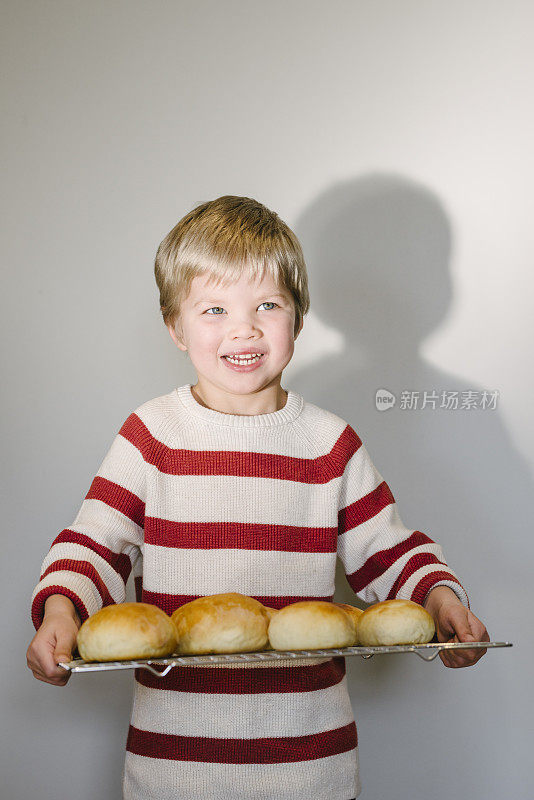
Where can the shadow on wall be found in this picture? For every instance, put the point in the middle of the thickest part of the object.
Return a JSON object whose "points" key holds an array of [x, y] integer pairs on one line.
{"points": [[378, 250]]}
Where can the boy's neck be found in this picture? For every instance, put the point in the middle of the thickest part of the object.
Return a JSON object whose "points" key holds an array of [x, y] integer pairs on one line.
{"points": [[266, 402]]}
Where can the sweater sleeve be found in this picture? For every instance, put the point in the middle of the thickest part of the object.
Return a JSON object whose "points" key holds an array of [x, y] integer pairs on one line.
{"points": [[90, 561], [382, 558]]}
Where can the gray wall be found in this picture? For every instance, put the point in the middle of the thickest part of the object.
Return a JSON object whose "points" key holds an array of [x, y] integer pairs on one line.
{"points": [[395, 138]]}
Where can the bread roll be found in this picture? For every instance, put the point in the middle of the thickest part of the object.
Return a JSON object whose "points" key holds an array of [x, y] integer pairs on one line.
{"points": [[221, 623], [395, 622], [126, 631], [355, 614], [311, 625]]}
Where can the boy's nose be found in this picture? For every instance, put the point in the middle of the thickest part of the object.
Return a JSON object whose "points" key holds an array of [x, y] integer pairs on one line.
{"points": [[244, 328]]}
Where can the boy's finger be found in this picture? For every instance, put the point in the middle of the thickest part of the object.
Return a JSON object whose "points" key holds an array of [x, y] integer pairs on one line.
{"points": [[451, 660], [62, 655], [461, 658], [473, 630], [49, 665], [478, 628], [466, 628], [465, 657], [462, 631], [47, 671], [63, 649]]}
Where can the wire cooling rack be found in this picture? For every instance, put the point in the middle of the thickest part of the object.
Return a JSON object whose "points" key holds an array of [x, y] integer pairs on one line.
{"points": [[428, 652]]}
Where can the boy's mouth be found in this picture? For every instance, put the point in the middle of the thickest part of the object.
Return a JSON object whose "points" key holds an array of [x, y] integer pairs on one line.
{"points": [[244, 362]]}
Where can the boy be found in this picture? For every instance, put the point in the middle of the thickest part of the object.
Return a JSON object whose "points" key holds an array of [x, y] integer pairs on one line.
{"points": [[235, 484]]}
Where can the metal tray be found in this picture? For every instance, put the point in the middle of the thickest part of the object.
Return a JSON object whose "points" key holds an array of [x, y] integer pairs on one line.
{"points": [[427, 652]]}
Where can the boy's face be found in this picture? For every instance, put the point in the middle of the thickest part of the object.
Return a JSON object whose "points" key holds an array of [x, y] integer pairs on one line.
{"points": [[245, 317]]}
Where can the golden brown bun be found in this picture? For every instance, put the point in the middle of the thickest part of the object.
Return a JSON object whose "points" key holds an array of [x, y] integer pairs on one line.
{"points": [[126, 631], [221, 623], [395, 622], [311, 625], [355, 614]]}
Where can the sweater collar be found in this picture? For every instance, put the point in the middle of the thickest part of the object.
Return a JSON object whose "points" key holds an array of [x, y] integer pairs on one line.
{"points": [[288, 413]]}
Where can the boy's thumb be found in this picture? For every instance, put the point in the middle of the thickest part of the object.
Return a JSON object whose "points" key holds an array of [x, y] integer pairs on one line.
{"points": [[463, 632], [459, 623], [62, 652]]}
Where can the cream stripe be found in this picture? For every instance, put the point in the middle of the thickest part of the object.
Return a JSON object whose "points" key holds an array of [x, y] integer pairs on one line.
{"points": [[77, 552], [414, 579], [212, 498], [124, 465], [107, 526], [180, 430], [251, 572], [332, 778], [242, 716], [390, 576], [79, 584], [360, 478], [382, 531], [379, 588]]}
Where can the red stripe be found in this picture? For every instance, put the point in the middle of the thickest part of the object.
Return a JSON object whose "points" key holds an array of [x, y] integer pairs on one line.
{"points": [[411, 566], [426, 583], [379, 562], [241, 535], [41, 597], [240, 463], [119, 498], [347, 444], [243, 680], [170, 602], [278, 750], [120, 562], [365, 508], [81, 568], [137, 433]]}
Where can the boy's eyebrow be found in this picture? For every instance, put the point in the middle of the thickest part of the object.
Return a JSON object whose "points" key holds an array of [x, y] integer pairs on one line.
{"points": [[270, 294]]}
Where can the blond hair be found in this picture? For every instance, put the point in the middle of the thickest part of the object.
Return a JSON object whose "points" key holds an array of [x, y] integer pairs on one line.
{"points": [[226, 238]]}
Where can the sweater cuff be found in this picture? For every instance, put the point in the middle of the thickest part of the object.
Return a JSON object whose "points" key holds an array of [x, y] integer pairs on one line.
{"points": [[78, 588], [423, 590], [37, 610]]}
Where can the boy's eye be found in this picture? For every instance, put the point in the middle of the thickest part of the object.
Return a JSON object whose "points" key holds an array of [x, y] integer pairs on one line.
{"points": [[216, 309]]}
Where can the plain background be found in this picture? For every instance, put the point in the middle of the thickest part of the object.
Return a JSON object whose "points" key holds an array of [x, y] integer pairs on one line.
{"points": [[395, 138]]}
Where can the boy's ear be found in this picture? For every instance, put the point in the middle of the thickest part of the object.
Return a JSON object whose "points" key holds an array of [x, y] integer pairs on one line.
{"points": [[176, 336], [300, 327]]}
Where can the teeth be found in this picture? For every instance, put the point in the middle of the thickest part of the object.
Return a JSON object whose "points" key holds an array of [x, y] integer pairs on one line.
{"points": [[244, 359]]}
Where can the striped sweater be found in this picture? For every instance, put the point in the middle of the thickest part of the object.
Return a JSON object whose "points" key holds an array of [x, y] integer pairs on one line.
{"points": [[191, 502]]}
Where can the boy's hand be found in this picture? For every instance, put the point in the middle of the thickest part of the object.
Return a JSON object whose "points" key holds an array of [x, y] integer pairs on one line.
{"points": [[54, 641], [455, 623]]}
